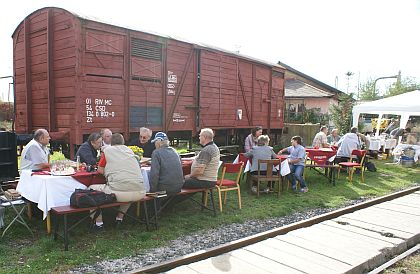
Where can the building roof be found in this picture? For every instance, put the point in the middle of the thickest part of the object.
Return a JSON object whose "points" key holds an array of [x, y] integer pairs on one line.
{"points": [[327, 87], [295, 88]]}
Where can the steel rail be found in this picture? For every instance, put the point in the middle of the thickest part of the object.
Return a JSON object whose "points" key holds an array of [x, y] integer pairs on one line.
{"points": [[386, 265], [218, 250]]}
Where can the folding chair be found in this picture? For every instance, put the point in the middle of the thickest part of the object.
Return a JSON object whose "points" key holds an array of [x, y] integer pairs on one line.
{"points": [[224, 185], [14, 204], [352, 164], [268, 175]]}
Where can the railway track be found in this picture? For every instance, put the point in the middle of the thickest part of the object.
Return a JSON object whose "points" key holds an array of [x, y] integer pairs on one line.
{"points": [[238, 244]]}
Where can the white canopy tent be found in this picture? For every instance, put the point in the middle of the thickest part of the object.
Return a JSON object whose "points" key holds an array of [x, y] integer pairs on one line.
{"points": [[405, 105]]}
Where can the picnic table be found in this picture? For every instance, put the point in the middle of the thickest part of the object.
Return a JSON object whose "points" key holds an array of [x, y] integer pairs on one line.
{"points": [[322, 158]]}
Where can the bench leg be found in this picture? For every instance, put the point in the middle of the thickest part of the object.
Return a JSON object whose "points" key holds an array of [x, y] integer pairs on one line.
{"points": [[146, 215], [56, 223], [156, 213], [212, 202], [66, 233], [49, 223]]}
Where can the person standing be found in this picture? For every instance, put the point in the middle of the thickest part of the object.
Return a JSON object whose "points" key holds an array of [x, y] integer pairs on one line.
{"points": [[35, 153], [144, 142], [124, 180], [88, 151], [252, 139], [166, 170], [296, 160], [205, 166]]}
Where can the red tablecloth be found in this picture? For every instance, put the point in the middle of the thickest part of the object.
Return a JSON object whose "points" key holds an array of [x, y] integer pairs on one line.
{"points": [[282, 157], [89, 178], [320, 156]]}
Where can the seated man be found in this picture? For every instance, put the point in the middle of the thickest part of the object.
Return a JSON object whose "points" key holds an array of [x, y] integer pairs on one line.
{"points": [[35, 154], [296, 162], [346, 145], [320, 139], [123, 176], [144, 142], [333, 138], [205, 166], [88, 151], [106, 135], [166, 171]]}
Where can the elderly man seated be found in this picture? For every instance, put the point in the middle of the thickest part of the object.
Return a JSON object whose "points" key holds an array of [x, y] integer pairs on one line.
{"points": [[35, 154], [88, 151], [206, 165], [144, 142], [166, 170], [123, 176], [347, 144]]}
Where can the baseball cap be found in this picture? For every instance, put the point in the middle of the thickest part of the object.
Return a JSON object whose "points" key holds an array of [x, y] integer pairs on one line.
{"points": [[160, 136]]}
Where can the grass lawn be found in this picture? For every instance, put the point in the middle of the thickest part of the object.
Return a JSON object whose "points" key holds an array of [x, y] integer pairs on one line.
{"points": [[22, 253]]}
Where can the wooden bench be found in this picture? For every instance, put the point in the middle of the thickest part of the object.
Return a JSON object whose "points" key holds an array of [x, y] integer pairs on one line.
{"points": [[64, 211], [189, 193]]}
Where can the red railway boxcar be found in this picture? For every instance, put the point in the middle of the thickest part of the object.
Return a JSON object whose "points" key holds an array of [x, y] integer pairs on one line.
{"points": [[74, 76]]}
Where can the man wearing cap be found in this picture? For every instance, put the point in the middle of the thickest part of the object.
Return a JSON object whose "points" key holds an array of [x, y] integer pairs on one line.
{"points": [[206, 165], [166, 170]]}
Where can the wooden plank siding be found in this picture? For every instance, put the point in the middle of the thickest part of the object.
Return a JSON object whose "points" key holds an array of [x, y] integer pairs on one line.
{"points": [[75, 76]]}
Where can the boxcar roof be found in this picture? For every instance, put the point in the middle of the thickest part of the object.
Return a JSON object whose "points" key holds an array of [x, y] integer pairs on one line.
{"points": [[201, 45]]}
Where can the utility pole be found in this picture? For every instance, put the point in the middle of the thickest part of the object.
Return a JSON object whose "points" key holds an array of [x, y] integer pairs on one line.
{"points": [[398, 77]]}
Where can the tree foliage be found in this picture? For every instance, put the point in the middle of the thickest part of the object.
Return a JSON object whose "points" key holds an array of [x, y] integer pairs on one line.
{"points": [[341, 114], [367, 91], [404, 85]]}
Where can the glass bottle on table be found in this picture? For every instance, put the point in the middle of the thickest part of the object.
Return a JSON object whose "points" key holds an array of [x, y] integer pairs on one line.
{"points": [[78, 163]]}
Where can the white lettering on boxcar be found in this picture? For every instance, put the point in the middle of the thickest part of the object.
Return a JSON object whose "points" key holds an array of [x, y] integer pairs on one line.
{"points": [[89, 110], [172, 78], [98, 108], [178, 118]]}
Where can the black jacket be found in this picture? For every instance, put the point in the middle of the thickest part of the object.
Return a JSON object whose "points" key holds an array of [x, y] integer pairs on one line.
{"points": [[147, 147], [88, 154]]}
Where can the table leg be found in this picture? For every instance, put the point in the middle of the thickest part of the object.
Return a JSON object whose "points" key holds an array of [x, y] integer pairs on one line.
{"points": [[48, 223]]}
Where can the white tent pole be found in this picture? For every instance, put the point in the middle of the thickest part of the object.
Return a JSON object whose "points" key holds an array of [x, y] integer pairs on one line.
{"points": [[378, 125]]}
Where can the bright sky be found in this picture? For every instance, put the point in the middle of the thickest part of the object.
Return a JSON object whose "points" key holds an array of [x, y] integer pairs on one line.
{"points": [[323, 39]]}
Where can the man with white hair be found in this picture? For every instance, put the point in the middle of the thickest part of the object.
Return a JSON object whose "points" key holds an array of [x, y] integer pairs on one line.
{"points": [[166, 170], [35, 154], [106, 135], [206, 165], [144, 142]]}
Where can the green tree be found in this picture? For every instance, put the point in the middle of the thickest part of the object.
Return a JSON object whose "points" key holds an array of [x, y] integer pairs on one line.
{"points": [[341, 114], [404, 85], [367, 92]]}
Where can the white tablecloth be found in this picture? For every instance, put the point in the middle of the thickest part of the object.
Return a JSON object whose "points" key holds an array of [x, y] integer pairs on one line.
{"points": [[374, 144], [47, 191], [51, 191], [145, 171], [389, 143], [247, 165]]}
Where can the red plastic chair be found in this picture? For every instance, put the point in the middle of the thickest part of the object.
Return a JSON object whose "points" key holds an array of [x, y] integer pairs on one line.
{"points": [[353, 165], [225, 185]]}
